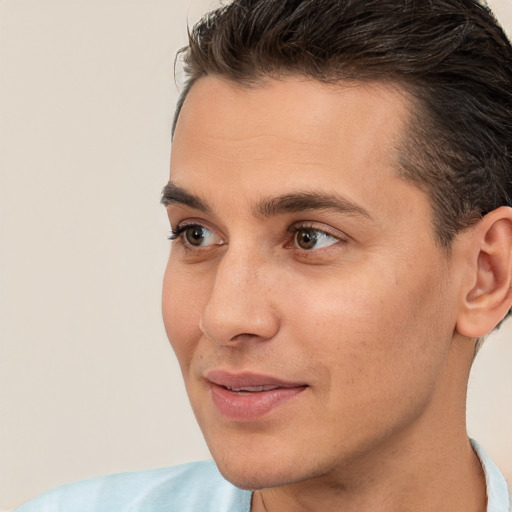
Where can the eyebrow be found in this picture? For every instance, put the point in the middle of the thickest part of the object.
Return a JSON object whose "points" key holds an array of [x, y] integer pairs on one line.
{"points": [[270, 207], [172, 194], [307, 201]]}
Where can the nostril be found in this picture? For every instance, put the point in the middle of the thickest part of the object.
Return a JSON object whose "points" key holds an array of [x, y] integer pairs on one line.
{"points": [[246, 336]]}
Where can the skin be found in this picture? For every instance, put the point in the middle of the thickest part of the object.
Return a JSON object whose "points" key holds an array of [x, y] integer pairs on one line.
{"points": [[366, 319]]}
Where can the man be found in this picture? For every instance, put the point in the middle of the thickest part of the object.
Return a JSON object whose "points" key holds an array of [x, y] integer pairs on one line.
{"points": [[339, 198]]}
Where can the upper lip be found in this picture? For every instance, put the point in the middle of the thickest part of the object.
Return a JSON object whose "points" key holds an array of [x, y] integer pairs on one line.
{"points": [[249, 381]]}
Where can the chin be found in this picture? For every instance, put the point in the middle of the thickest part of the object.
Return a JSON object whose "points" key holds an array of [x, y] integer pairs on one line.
{"points": [[260, 472], [255, 479]]}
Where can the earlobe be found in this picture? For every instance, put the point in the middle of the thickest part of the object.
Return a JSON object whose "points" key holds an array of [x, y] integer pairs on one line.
{"points": [[489, 297]]}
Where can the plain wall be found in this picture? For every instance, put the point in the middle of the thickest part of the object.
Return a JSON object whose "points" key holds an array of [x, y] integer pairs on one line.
{"points": [[88, 382]]}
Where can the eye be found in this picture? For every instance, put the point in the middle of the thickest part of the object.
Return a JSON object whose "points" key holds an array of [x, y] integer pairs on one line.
{"points": [[308, 238], [195, 235]]}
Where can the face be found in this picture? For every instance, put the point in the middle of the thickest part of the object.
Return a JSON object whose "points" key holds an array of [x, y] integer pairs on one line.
{"points": [[306, 298]]}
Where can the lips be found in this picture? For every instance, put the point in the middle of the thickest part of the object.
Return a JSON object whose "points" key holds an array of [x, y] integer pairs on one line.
{"points": [[249, 397]]}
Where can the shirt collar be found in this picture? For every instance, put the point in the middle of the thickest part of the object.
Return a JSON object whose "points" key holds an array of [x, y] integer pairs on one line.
{"points": [[497, 492]]}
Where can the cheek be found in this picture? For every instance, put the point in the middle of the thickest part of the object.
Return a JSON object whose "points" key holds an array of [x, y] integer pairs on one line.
{"points": [[182, 299], [381, 327], [373, 352]]}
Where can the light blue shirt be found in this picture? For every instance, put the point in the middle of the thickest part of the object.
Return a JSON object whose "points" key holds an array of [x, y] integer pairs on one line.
{"points": [[194, 487]]}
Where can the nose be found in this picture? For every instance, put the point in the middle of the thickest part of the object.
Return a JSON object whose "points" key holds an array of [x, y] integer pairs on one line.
{"points": [[240, 305]]}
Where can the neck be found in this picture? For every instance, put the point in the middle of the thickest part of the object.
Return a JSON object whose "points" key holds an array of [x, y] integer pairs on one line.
{"points": [[416, 478]]}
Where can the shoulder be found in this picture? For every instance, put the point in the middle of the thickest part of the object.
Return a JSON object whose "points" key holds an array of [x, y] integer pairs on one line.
{"points": [[193, 487]]}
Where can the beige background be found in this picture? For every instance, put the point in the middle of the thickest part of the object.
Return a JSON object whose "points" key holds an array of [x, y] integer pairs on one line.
{"points": [[88, 383]]}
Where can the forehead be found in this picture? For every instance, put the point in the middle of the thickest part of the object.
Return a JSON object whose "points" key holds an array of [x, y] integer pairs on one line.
{"points": [[288, 134], [293, 106]]}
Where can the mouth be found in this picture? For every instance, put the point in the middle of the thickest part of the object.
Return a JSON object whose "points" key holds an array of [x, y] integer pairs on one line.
{"points": [[247, 390], [250, 397]]}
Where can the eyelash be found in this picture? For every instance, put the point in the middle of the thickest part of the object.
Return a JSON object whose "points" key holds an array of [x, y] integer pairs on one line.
{"points": [[295, 229], [176, 234]]}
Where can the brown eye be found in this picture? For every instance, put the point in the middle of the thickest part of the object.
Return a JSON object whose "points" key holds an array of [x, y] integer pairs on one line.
{"points": [[196, 235], [308, 239]]}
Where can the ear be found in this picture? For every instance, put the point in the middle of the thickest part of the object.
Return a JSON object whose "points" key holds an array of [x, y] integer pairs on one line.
{"points": [[488, 296]]}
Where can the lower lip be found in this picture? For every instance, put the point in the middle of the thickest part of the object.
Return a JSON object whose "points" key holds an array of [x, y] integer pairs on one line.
{"points": [[251, 406]]}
